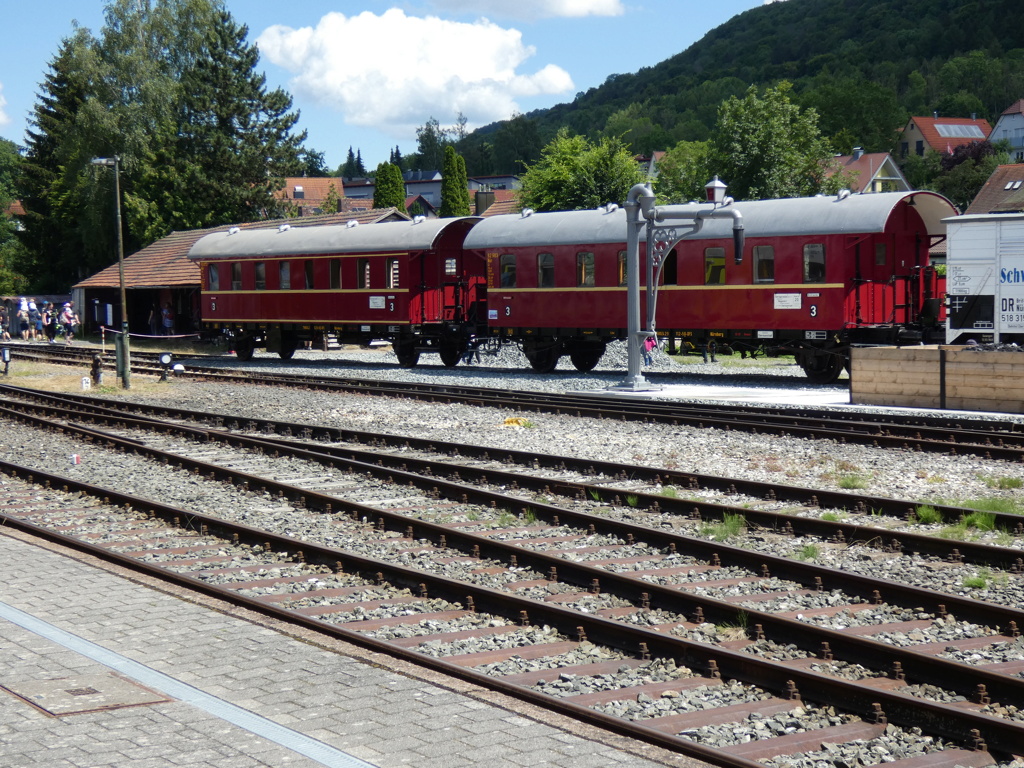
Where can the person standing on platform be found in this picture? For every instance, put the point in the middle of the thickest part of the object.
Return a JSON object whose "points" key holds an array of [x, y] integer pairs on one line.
{"points": [[167, 315]]}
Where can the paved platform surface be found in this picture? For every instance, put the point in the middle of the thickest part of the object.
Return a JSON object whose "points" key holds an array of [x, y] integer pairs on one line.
{"points": [[102, 667]]}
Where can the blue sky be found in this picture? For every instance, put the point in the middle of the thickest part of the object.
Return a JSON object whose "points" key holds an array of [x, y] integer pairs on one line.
{"points": [[484, 58]]}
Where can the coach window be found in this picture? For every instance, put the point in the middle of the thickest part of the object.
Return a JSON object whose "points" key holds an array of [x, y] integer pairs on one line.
{"points": [[213, 277], [392, 273], [764, 264], [814, 263], [880, 254], [545, 270], [308, 269], [507, 270], [585, 268], [622, 267], [284, 272], [260, 271], [236, 277], [362, 273], [670, 270], [335, 274], [714, 266]]}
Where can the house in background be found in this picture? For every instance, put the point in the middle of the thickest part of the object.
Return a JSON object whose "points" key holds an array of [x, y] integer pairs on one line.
{"points": [[1010, 126], [871, 172], [507, 182], [494, 202], [1002, 193], [306, 196], [941, 134], [425, 208]]}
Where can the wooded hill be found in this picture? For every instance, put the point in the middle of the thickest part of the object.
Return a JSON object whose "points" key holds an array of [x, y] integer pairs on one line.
{"points": [[864, 65]]}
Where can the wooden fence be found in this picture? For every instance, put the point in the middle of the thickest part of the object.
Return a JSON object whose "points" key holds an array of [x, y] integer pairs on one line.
{"points": [[951, 377]]}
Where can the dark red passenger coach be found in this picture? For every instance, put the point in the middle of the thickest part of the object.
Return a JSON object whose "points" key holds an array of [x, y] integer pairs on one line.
{"points": [[817, 276]]}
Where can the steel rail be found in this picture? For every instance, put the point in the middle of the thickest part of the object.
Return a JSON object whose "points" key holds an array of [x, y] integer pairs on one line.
{"points": [[975, 729], [984, 554], [965, 678], [995, 440]]}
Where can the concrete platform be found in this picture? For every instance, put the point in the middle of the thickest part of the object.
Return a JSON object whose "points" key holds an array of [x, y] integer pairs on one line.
{"points": [[103, 667]]}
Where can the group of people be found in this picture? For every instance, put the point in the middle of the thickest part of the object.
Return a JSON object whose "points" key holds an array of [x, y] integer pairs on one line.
{"points": [[38, 321]]}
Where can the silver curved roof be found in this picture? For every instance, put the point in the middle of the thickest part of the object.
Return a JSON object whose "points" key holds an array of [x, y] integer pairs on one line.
{"points": [[761, 218], [387, 236]]}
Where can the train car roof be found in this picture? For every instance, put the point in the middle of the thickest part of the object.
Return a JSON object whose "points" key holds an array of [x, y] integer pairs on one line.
{"points": [[327, 239], [822, 215]]}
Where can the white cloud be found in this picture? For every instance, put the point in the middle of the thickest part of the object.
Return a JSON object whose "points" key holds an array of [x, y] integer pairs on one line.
{"points": [[532, 9], [394, 71], [5, 119]]}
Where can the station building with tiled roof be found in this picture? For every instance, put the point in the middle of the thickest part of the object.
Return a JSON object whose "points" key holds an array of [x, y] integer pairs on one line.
{"points": [[162, 273]]}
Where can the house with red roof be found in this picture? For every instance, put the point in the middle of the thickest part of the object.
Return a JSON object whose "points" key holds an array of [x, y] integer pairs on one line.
{"points": [[941, 134], [870, 172], [494, 202], [1002, 193], [306, 196], [1010, 126], [162, 272]]}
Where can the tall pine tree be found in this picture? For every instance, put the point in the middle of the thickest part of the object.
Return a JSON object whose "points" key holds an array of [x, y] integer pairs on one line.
{"points": [[454, 185], [389, 188], [233, 138]]}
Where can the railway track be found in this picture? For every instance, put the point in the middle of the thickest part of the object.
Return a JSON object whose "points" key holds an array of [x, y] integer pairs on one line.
{"points": [[582, 589], [990, 439]]}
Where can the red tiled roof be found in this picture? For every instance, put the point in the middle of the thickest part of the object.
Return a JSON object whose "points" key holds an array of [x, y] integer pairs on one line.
{"points": [[1002, 193], [863, 168], [931, 129], [15, 209], [506, 201], [1016, 108], [165, 263], [502, 206], [314, 189]]}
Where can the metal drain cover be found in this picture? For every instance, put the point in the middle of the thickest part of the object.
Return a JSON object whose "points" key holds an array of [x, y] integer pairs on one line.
{"points": [[86, 693]]}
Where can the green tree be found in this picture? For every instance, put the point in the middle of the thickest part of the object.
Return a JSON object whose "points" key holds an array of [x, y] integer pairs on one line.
{"points": [[765, 146], [636, 126], [389, 188], [516, 145], [347, 170], [332, 200], [682, 173], [233, 139], [454, 185], [313, 164], [61, 236], [853, 112], [574, 173], [11, 250], [170, 88], [430, 142]]}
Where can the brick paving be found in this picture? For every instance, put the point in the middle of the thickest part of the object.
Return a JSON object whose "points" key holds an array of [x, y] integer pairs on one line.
{"points": [[370, 707]]}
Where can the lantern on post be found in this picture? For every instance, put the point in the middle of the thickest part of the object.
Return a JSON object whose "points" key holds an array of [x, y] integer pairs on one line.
{"points": [[715, 190]]}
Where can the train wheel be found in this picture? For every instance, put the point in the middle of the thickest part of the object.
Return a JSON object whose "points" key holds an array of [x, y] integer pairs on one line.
{"points": [[586, 356], [451, 352], [543, 359], [822, 368], [288, 345], [407, 354], [245, 347]]}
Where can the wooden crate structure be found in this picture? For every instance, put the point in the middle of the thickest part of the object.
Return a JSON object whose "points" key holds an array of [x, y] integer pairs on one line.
{"points": [[952, 377]]}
